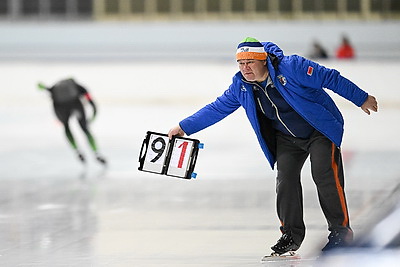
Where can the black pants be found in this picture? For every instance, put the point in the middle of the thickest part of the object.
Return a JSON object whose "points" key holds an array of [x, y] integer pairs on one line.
{"points": [[65, 110], [327, 173]]}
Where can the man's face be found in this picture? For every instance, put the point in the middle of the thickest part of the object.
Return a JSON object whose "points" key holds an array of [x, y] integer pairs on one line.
{"points": [[253, 70]]}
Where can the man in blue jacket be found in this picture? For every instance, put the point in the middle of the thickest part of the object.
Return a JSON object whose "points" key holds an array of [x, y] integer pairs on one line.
{"points": [[293, 118]]}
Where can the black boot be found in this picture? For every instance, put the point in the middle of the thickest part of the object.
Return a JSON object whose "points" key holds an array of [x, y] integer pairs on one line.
{"points": [[338, 239], [285, 244]]}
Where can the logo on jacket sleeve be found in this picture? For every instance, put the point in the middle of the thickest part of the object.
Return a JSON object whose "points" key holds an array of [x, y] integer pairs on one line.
{"points": [[243, 89], [310, 70], [282, 79]]}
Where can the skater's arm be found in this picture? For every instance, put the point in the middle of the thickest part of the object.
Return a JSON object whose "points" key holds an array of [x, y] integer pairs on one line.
{"points": [[85, 93], [91, 102], [41, 86]]}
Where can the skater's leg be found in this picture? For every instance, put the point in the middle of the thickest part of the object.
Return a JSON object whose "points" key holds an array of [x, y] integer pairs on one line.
{"points": [[69, 136], [92, 142], [328, 175], [290, 160], [81, 115], [63, 113], [90, 139], [72, 142]]}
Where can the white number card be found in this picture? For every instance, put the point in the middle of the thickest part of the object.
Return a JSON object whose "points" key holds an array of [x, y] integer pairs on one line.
{"points": [[176, 157], [155, 156]]}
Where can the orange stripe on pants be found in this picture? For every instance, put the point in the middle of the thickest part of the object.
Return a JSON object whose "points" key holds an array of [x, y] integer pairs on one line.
{"points": [[339, 187]]}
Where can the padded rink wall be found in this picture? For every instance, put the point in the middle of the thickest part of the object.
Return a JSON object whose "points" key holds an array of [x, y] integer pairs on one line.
{"points": [[188, 39]]}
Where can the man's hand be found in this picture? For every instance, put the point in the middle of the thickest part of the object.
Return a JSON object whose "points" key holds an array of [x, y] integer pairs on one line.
{"points": [[177, 130], [370, 104]]}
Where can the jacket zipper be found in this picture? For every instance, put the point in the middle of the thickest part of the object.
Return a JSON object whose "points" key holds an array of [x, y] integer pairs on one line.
{"points": [[275, 107]]}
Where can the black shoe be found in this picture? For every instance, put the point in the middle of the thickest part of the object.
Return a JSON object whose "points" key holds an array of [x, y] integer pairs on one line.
{"points": [[338, 239], [285, 244]]}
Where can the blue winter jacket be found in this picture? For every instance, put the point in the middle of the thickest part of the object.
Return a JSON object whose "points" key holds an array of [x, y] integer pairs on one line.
{"points": [[301, 82]]}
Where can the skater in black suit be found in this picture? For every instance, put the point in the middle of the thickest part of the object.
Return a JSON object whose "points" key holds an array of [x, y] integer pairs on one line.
{"points": [[67, 102]]}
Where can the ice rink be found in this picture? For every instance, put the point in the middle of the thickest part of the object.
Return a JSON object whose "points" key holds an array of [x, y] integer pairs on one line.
{"points": [[56, 212]]}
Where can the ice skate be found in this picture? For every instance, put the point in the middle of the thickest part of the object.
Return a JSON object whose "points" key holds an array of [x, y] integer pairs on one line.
{"points": [[101, 159], [284, 249], [288, 256], [338, 239], [81, 157], [285, 244]]}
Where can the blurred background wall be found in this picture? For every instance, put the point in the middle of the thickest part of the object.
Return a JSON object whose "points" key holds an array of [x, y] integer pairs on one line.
{"points": [[199, 9], [195, 29]]}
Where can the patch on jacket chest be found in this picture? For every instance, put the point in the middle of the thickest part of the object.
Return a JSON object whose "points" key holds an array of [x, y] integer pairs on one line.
{"points": [[282, 79]]}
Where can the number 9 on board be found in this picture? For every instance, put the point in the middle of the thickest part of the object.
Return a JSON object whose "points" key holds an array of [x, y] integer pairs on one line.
{"points": [[176, 157]]}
